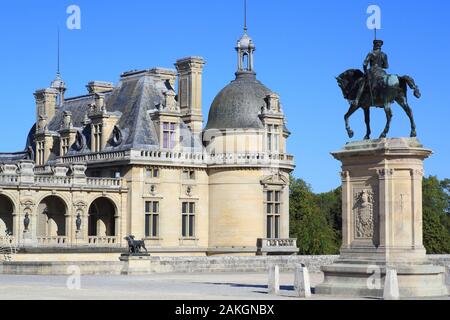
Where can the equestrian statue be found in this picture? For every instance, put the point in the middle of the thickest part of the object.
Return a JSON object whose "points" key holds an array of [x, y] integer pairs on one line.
{"points": [[375, 88]]}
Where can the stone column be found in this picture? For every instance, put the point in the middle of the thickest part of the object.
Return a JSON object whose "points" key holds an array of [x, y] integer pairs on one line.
{"points": [[382, 221]]}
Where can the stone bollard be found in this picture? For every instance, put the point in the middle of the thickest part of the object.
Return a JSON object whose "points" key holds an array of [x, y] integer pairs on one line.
{"points": [[391, 291], [274, 279], [302, 283], [447, 278]]}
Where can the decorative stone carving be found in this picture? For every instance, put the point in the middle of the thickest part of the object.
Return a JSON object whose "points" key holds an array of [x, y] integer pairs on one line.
{"points": [[28, 205], [26, 222], [189, 191], [80, 206], [170, 103], [345, 175], [384, 173], [67, 120], [78, 222], [42, 123], [80, 141], [273, 103], [364, 214], [275, 179], [79, 170], [117, 137]]}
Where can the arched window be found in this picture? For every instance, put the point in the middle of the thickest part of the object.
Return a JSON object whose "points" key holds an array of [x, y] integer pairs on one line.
{"points": [[102, 213]]}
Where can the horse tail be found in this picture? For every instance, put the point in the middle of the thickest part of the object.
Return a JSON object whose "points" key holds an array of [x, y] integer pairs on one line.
{"points": [[412, 84]]}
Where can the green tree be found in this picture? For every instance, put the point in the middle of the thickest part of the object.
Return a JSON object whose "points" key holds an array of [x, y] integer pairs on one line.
{"points": [[309, 224], [436, 221]]}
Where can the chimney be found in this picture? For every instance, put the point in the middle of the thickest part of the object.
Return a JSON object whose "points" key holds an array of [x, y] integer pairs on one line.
{"points": [[99, 87], [46, 100], [190, 72]]}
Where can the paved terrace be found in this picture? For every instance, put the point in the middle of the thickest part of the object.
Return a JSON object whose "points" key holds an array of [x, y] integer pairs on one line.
{"points": [[205, 286]]}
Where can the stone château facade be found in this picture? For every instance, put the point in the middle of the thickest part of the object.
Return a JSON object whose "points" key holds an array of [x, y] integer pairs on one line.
{"points": [[135, 158]]}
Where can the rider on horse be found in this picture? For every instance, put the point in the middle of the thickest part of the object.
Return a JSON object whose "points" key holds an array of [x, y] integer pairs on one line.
{"points": [[376, 75]]}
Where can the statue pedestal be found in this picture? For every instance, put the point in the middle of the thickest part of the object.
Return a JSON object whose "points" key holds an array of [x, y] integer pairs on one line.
{"points": [[136, 264], [382, 222]]}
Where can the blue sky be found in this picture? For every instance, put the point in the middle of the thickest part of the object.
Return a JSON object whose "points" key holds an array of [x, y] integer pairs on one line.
{"points": [[301, 47]]}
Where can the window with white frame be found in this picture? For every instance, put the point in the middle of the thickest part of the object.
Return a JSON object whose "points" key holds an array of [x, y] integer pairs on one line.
{"points": [[273, 212], [188, 220], [169, 131], [151, 219], [273, 138]]}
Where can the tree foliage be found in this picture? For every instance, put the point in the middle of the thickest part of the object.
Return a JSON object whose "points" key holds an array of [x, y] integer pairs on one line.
{"points": [[436, 215]]}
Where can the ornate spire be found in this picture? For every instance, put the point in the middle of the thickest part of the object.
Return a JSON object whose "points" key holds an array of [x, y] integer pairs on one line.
{"points": [[245, 16], [245, 48], [59, 83]]}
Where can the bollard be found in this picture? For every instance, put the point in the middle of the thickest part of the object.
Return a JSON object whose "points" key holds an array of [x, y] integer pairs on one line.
{"points": [[447, 275], [391, 291], [302, 283], [274, 279]]}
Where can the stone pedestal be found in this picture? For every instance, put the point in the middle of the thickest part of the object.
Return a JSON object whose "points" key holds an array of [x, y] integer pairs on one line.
{"points": [[382, 222], [136, 264]]}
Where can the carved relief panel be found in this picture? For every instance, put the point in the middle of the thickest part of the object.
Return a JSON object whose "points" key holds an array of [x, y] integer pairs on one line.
{"points": [[365, 213]]}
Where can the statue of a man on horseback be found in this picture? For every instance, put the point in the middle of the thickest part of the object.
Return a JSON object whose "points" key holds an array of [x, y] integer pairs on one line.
{"points": [[378, 62], [375, 88]]}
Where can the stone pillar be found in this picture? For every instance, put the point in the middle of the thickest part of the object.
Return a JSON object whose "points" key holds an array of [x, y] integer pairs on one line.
{"points": [[274, 279], [382, 221], [391, 285], [302, 283]]}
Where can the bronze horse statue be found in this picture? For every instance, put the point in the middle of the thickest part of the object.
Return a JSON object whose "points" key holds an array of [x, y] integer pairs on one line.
{"points": [[393, 88]]}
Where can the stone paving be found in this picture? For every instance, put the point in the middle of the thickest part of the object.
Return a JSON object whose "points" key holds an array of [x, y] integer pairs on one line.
{"points": [[206, 286], [209, 286]]}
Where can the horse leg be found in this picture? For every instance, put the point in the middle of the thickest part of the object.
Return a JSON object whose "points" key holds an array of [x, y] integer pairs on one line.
{"points": [[352, 110], [404, 104], [388, 111], [367, 119]]}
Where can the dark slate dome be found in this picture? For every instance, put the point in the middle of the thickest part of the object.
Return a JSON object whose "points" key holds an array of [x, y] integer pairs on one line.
{"points": [[239, 104]]}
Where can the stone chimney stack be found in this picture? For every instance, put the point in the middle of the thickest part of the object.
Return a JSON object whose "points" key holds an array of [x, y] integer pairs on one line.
{"points": [[190, 71], [46, 100], [99, 87]]}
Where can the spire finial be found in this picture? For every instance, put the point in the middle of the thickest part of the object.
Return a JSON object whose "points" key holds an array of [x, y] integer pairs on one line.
{"points": [[58, 55], [245, 16]]}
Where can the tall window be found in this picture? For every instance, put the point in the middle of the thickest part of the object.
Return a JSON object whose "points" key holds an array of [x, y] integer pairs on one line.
{"points": [[151, 219], [40, 153], [64, 146], [168, 135], [97, 143], [273, 210], [273, 138], [188, 220]]}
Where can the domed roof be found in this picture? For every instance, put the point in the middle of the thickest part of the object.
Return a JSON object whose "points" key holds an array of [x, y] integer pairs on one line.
{"points": [[245, 41], [239, 104]]}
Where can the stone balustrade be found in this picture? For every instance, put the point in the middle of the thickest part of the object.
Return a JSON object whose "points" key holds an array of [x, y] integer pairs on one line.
{"points": [[8, 179], [268, 246], [104, 182], [194, 158], [53, 181], [103, 241], [7, 240], [52, 241], [24, 172], [96, 157]]}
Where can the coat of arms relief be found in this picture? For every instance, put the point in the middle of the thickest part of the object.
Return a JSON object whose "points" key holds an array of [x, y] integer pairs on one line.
{"points": [[364, 214]]}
